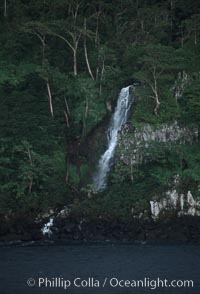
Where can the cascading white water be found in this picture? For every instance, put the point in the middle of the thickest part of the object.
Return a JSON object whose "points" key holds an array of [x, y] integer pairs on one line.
{"points": [[119, 118]]}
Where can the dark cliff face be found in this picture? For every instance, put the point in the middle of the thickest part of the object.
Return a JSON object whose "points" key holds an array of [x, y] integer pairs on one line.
{"points": [[95, 143]]}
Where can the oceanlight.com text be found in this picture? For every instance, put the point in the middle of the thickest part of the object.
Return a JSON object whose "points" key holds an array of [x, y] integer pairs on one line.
{"points": [[113, 282]]}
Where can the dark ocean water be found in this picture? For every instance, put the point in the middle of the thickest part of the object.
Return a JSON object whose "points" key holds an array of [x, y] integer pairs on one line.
{"points": [[97, 261]]}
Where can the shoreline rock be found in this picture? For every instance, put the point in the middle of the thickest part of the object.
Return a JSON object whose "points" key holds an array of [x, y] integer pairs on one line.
{"points": [[185, 229]]}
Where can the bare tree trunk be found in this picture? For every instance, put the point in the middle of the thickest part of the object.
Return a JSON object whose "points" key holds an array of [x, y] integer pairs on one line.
{"points": [[101, 79], [85, 115], [66, 118], [96, 33], [50, 99], [156, 94], [85, 50], [43, 50], [67, 171], [97, 42], [157, 105], [97, 30], [132, 171], [154, 88], [75, 62], [97, 72], [67, 107], [31, 178], [5, 8], [97, 69], [73, 46], [75, 37], [42, 39], [195, 37], [67, 113], [171, 4]]}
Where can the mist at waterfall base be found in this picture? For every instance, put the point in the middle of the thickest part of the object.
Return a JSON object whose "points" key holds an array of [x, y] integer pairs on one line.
{"points": [[119, 118]]}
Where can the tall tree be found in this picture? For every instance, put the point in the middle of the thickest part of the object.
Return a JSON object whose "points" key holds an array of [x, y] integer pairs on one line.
{"points": [[157, 65]]}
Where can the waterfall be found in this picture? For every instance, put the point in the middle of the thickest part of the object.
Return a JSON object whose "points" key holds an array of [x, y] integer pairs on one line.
{"points": [[119, 118]]}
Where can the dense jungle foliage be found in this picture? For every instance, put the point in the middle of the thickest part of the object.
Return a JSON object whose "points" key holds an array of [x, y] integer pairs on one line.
{"points": [[63, 63]]}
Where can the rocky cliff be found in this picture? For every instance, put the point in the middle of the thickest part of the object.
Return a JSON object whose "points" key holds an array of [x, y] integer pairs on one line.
{"points": [[178, 203], [136, 144], [140, 145]]}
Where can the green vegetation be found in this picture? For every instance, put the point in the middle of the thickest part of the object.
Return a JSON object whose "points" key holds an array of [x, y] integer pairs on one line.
{"points": [[62, 63]]}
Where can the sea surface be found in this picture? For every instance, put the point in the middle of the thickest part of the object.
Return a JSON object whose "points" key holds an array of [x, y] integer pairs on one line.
{"points": [[98, 268]]}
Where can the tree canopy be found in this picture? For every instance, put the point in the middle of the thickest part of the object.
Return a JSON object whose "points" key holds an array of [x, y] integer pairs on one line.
{"points": [[63, 63]]}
